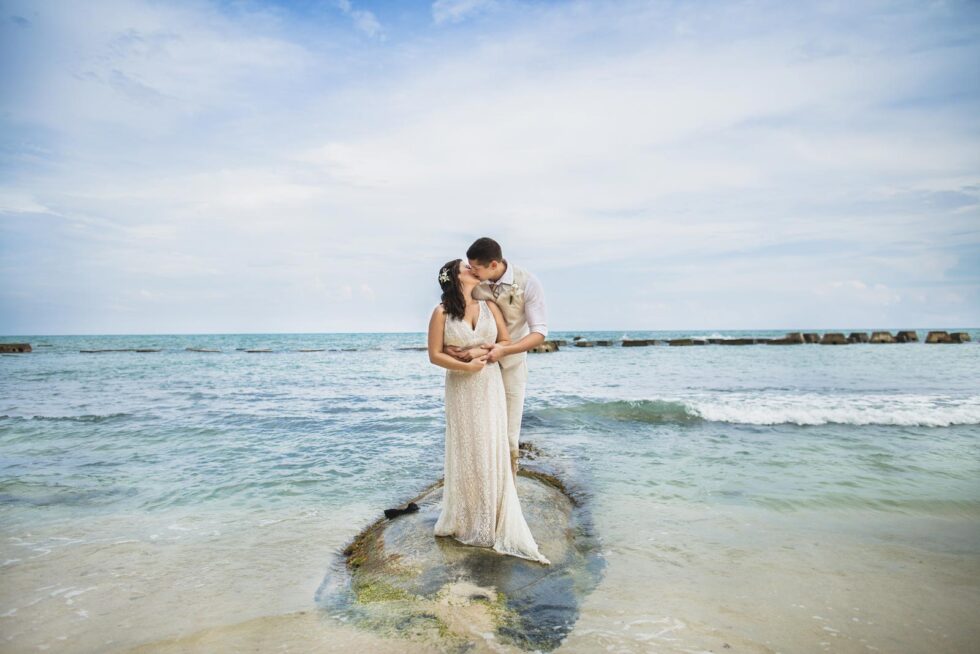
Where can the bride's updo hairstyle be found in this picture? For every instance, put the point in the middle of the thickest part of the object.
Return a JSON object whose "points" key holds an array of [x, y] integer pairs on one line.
{"points": [[453, 302]]}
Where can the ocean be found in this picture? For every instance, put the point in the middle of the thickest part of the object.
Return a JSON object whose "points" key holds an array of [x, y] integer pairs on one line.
{"points": [[800, 498]]}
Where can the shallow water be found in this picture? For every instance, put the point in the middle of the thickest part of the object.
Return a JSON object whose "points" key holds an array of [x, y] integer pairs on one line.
{"points": [[800, 498]]}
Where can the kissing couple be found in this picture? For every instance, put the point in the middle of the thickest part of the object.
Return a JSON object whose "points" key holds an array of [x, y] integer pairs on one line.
{"points": [[491, 313]]}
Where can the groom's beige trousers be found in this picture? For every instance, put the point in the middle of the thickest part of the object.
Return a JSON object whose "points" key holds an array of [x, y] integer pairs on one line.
{"points": [[515, 383]]}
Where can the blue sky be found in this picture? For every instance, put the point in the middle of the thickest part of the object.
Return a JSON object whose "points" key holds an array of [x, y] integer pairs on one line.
{"points": [[194, 167]]}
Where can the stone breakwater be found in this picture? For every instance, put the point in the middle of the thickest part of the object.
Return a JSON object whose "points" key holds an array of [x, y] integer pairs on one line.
{"points": [[554, 345], [791, 338]]}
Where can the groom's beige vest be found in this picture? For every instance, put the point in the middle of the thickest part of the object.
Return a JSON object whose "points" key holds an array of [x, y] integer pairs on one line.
{"points": [[511, 303]]}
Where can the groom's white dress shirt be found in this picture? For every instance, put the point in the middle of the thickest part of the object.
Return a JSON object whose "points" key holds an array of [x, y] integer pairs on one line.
{"points": [[534, 307]]}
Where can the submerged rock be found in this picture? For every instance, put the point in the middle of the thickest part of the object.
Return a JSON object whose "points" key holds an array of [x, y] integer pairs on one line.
{"points": [[882, 337], [937, 337], [15, 347], [546, 346], [959, 337], [833, 338], [398, 578], [857, 337], [907, 337]]}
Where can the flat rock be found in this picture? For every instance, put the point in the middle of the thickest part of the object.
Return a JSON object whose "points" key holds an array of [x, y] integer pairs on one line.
{"points": [[398, 578], [15, 347]]}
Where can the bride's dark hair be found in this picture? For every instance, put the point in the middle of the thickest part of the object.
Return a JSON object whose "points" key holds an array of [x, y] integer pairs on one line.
{"points": [[453, 302]]}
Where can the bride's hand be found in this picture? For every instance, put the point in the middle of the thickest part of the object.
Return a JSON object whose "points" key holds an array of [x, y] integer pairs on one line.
{"points": [[477, 364]]}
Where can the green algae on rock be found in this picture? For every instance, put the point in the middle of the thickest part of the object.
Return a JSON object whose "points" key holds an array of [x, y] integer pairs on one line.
{"points": [[397, 578]]}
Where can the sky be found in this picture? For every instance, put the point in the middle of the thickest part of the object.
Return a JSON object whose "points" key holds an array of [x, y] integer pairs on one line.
{"points": [[253, 167]]}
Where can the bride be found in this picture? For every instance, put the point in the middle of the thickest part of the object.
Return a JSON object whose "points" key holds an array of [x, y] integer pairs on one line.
{"points": [[479, 502]]}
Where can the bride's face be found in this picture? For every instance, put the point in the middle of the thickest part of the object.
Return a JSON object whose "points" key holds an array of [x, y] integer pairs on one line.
{"points": [[466, 276]]}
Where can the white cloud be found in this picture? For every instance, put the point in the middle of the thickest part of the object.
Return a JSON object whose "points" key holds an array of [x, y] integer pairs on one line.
{"points": [[364, 20], [454, 11]]}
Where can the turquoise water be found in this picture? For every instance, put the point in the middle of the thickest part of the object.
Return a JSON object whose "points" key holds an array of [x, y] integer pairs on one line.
{"points": [[124, 438], [889, 427]]}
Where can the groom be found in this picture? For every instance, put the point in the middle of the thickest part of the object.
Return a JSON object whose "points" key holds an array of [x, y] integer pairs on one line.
{"points": [[520, 297]]}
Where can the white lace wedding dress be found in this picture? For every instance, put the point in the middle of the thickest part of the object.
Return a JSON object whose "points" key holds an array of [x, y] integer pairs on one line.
{"points": [[479, 502]]}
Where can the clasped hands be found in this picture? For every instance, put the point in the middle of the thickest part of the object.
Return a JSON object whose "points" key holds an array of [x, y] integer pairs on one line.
{"points": [[492, 351]]}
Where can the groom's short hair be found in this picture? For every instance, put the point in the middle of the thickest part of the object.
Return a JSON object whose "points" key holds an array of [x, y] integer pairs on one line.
{"points": [[485, 250]]}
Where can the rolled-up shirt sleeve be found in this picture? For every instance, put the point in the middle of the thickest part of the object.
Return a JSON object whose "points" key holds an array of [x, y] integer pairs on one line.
{"points": [[534, 307]]}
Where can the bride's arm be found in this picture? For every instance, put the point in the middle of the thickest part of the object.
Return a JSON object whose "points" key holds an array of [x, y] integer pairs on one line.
{"points": [[437, 326]]}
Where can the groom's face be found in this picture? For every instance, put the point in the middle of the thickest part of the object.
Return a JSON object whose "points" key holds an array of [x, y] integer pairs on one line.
{"points": [[483, 272]]}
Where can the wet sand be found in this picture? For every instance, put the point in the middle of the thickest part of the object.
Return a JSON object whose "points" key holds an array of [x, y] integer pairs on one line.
{"points": [[677, 580]]}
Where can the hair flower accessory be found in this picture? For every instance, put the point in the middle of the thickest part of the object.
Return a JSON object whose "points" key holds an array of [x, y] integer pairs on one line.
{"points": [[444, 275]]}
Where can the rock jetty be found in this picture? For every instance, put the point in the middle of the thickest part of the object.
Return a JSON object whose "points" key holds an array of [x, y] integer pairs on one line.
{"points": [[124, 349], [944, 337], [15, 347]]}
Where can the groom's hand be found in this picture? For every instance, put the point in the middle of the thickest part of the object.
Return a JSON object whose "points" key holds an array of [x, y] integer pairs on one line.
{"points": [[495, 352]]}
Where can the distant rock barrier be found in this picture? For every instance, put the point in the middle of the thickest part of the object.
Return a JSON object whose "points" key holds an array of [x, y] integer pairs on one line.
{"points": [[547, 346], [792, 338], [124, 349], [944, 337], [15, 347]]}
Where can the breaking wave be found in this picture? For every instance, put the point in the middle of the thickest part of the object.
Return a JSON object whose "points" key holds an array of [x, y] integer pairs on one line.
{"points": [[922, 411]]}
